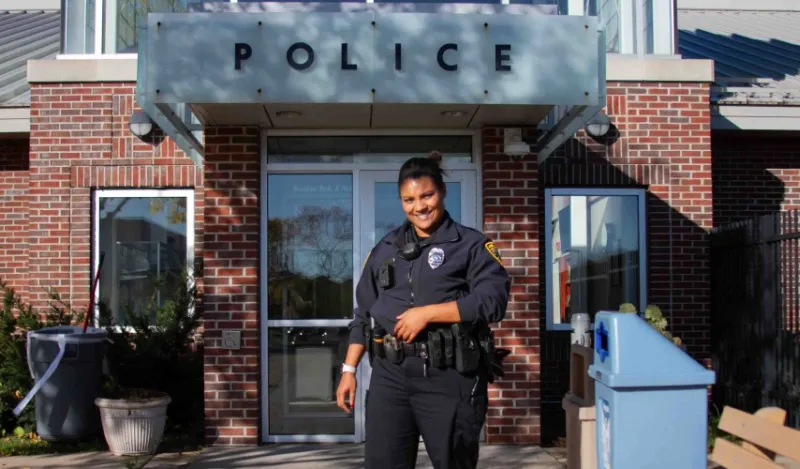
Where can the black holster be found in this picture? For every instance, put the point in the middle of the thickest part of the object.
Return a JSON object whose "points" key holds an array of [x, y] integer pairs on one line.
{"points": [[491, 357], [375, 343], [368, 336], [466, 348], [393, 350]]}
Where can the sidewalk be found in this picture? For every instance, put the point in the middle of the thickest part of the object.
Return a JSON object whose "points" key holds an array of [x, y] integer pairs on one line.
{"points": [[293, 456], [351, 456], [284, 456]]}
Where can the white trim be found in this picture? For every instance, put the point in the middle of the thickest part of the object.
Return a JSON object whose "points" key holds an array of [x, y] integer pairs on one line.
{"points": [[81, 68], [188, 194], [15, 120], [588, 191], [663, 27], [652, 68], [109, 31], [30, 5], [99, 30], [755, 117], [126, 56], [740, 5], [575, 8], [627, 26]]}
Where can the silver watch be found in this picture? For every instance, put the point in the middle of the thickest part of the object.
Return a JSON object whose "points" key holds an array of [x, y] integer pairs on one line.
{"points": [[348, 369]]}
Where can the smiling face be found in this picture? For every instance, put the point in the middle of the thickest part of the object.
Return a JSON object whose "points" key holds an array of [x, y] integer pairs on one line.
{"points": [[423, 203]]}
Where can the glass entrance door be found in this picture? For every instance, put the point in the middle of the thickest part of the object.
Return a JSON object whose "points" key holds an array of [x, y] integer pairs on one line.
{"points": [[380, 211], [310, 271]]}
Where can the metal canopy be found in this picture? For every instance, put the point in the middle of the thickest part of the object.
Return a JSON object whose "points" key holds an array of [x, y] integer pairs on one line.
{"points": [[362, 67]]}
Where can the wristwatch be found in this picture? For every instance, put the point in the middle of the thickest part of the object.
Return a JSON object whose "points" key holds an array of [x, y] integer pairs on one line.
{"points": [[348, 369]]}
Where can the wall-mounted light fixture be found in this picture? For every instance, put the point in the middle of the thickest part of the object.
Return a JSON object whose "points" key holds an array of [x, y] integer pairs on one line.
{"points": [[141, 124], [513, 145], [599, 125]]}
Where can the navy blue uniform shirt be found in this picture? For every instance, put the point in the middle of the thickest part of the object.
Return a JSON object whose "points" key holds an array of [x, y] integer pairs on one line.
{"points": [[460, 264]]}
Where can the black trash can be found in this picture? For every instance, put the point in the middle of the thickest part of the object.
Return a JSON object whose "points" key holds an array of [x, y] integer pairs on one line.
{"points": [[65, 409]]}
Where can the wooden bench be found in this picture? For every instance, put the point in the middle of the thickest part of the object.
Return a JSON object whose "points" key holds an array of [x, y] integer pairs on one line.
{"points": [[764, 437]]}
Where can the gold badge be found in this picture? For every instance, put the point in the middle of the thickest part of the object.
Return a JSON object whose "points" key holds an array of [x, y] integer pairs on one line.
{"points": [[493, 251]]}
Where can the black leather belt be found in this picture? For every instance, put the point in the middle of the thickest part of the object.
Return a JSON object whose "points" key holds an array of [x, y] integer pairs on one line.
{"points": [[415, 349]]}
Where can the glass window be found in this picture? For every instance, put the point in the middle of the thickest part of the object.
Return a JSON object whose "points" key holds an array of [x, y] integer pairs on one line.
{"points": [[595, 252], [375, 149], [310, 251], [79, 21], [147, 240], [304, 368], [124, 18]]}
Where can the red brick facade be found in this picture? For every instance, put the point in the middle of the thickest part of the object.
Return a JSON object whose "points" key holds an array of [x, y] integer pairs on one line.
{"points": [[14, 194], [80, 141], [232, 402], [754, 173], [664, 145]]}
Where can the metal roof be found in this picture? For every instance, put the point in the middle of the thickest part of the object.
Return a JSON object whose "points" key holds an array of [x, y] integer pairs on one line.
{"points": [[761, 48], [25, 35]]}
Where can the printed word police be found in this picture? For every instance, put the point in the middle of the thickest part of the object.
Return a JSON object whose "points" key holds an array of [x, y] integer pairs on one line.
{"points": [[243, 51]]}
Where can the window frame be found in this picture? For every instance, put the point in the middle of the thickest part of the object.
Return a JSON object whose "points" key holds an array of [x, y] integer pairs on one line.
{"points": [[640, 194], [98, 194]]}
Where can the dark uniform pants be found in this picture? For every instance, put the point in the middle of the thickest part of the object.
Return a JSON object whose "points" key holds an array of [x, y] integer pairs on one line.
{"points": [[403, 403]]}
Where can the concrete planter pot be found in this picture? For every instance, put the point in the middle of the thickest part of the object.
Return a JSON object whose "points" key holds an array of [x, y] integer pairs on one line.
{"points": [[134, 425]]}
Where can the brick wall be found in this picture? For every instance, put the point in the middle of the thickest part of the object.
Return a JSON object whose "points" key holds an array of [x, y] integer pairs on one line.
{"points": [[754, 173], [14, 213], [664, 145], [231, 300], [511, 205], [80, 140]]}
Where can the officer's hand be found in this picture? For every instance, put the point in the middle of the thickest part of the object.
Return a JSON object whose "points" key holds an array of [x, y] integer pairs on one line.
{"points": [[410, 323], [346, 393]]}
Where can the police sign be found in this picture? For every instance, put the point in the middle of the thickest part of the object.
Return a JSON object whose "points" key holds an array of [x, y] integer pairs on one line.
{"points": [[372, 57]]}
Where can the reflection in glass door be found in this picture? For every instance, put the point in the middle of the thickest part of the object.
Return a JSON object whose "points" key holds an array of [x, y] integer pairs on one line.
{"points": [[309, 304], [380, 211]]}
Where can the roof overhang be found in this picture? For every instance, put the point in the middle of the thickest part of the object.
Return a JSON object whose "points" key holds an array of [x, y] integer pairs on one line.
{"points": [[751, 117], [15, 120], [760, 106], [372, 67]]}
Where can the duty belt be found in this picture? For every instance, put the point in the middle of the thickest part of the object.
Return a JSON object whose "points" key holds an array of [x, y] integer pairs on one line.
{"points": [[444, 347]]}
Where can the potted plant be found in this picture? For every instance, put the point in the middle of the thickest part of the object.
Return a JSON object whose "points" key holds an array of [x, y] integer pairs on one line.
{"points": [[656, 320], [149, 361], [133, 420]]}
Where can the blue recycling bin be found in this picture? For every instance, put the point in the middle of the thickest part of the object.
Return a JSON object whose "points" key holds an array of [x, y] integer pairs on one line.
{"points": [[651, 398]]}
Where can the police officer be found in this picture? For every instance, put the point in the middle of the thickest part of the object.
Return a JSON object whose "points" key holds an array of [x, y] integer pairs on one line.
{"points": [[428, 292]]}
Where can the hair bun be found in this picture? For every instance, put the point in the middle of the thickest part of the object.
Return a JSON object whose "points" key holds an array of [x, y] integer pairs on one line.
{"points": [[436, 156]]}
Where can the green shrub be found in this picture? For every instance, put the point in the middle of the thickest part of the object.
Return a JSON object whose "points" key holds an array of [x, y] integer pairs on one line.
{"points": [[654, 317], [16, 319], [156, 351]]}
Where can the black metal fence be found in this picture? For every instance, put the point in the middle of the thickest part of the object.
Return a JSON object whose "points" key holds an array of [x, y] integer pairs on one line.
{"points": [[755, 301]]}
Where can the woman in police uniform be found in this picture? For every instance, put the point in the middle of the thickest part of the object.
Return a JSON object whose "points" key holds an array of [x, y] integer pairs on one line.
{"points": [[428, 289]]}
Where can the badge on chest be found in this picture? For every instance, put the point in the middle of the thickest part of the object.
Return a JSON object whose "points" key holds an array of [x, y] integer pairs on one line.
{"points": [[435, 257]]}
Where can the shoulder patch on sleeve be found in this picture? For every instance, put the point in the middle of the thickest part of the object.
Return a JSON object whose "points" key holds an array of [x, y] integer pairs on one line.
{"points": [[493, 251]]}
